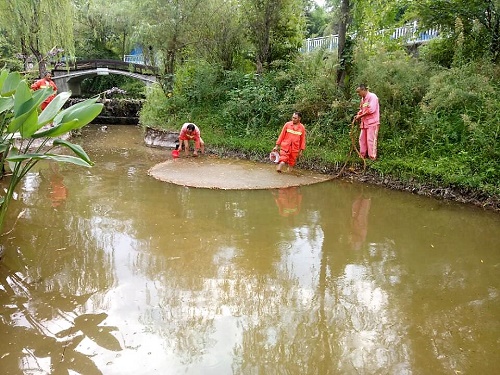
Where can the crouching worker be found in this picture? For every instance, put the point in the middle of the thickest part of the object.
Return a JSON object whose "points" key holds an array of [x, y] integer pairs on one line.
{"points": [[190, 132], [291, 142]]}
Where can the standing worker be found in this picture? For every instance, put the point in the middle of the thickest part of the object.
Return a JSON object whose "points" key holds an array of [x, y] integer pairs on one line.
{"points": [[190, 132], [291, 141], [369, 117], [42, 83]]}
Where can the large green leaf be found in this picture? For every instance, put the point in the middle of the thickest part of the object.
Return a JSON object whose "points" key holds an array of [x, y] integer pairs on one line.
{"points": [[59, 158], [29, 126], [24, 111], [10, 84], [42, 94], [6, 104], [73, 120], [3, 76], [83, 114], [4, 147], [60, 116], [56, 131], [22, 98], [77, 149], [53, 109]]}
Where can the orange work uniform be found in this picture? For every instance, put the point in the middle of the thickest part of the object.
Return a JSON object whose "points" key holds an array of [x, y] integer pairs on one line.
{"points": [[291, 140]]}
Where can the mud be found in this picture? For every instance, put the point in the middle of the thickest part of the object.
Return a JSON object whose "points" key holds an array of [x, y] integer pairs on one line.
{"points": [[212, 172]]}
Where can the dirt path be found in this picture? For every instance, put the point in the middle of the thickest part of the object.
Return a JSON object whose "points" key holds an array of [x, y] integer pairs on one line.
{"points": [[214, 173]]}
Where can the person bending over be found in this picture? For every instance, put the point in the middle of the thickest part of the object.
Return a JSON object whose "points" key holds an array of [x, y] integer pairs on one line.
{"points": [[190, 132]]}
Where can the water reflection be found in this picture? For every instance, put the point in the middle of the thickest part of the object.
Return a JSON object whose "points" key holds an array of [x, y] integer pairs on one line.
{"points": [[132, 275], [288, 201], [58, 191], [359, 221]]}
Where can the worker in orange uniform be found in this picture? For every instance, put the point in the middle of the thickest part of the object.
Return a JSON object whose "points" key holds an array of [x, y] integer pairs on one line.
{"points": [[288, 201], [42, 83], [291, 142], [190, 132]]}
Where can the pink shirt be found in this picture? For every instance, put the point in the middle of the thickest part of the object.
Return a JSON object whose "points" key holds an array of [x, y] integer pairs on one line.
{"points": [[370, 110]]}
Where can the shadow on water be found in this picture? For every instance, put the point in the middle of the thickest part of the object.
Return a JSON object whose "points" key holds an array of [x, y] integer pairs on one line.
{"points": [[112, 272]]}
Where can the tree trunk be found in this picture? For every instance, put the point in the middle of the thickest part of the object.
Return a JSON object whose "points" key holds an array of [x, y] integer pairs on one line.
{"points": [[344, 22]]}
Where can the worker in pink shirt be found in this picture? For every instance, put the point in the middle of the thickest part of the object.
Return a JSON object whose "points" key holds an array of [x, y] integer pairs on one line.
{"points": [[291, 141], [369, 117], [190, 132]]}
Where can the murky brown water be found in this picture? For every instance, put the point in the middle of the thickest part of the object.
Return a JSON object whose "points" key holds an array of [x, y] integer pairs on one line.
{"points": [[110, 271]]}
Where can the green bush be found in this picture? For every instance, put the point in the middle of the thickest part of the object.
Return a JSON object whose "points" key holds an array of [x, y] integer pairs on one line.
{"points": [[400, 83], [439, 51], [158, 111]]}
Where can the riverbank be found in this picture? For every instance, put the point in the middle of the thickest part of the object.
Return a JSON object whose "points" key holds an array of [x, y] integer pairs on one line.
{"points": [[354, 171]]}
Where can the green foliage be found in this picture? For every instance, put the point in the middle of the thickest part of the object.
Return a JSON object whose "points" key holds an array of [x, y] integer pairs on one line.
{"points": [[460, 125], [98, 84], [160, 110], [399, 81], [250, 107], [473, 24], [439, 51], [25, 137]]}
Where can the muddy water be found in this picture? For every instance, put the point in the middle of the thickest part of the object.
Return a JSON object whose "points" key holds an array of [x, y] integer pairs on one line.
{"points": [[109, 271]]}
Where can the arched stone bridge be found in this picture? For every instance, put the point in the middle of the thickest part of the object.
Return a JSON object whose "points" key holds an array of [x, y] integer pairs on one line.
{"points": [[69, 78]]}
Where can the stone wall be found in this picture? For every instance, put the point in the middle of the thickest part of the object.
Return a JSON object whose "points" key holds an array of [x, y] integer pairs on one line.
{"points": [[115, 111], [160, 138]]}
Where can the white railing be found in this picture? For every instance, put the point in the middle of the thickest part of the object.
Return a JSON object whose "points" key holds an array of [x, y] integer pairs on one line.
{"points": [[409, 33], [134, 59]]}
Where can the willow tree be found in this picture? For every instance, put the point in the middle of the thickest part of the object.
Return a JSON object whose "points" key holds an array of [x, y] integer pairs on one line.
{"points": [[103, 28], [276, 28], [39, 27], [166, 27], [219, 35]]}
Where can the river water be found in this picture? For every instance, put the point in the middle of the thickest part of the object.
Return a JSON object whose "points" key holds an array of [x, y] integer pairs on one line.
{"points": [[109, 271]]}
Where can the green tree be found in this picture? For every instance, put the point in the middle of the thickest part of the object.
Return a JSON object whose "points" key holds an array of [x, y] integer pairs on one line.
{"points": [[168, 27], [39, 27], [479, 23], [317, 20], [219, 35], [96, 30], [275, 28]]}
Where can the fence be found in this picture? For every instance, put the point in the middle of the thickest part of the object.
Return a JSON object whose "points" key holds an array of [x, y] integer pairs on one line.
{"points": [[408, 33]]}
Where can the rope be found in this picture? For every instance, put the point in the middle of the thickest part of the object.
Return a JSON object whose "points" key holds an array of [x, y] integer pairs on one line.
{"points": [[354, 147]]}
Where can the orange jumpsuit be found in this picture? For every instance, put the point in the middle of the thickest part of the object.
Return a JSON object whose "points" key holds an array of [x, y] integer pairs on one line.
{"points": [[291, 140], [196, 136], [41, 84]]}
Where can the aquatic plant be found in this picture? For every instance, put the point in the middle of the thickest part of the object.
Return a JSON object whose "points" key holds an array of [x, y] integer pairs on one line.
{"points": [[28, 135]]}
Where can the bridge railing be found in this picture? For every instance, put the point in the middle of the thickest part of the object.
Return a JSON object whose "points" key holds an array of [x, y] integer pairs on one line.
{"points": [[408, 33], [110, 64], [134, 59]]}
